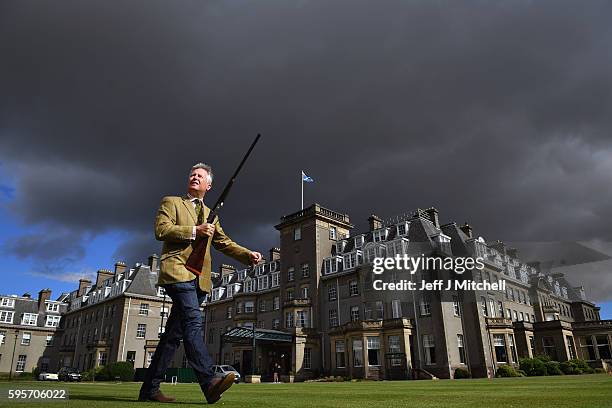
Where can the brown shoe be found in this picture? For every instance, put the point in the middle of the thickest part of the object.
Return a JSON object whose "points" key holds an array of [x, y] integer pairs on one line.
{"points": [[218, 386], [158, 396]]}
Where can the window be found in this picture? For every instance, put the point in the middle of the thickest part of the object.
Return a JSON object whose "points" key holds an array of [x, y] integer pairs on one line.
{"points": [[425, 306], [340, 358], [141, 331], [29, 319], [512, 348], [461, 348], [49, 339], [396, 308], [144, 309], [508, 314], [2, 337], [499, 343], [549, 347], [289, 294], [514, 315], [333, 318], [131, 356], [52, 307], [359, 241], [52, 321], [532, 345], [149, 357], [7, 302], [276, 303], [492, 307], [353, 288], [249, 306], [603, 347], [304, 292], [402, 228], [102, 358], [354, 313], [275, 279], [305, 270], [290, 274], [275, 324], [262, 283], [373, 344], [307, 358], [430, 349], [6, 317], [228, 312], [570, 347], [26, 339], [262, 305], [332, 294], [456, 306], [483, 306], [500, 308], [163, 312], [289, 320], [302, 318], [297, 233], [357, 353], [395, 348], [332, 232], [379, 235], [21, 361]]}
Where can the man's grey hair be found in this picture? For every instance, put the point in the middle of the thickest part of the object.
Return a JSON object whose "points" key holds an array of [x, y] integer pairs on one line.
{"points": [[203, 166]]}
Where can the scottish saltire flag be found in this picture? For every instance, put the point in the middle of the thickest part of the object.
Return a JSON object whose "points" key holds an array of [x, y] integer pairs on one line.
{"points": [[306, 178]]}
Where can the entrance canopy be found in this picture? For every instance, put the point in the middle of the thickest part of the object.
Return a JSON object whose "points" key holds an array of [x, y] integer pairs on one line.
{"points": [[245, 335]]}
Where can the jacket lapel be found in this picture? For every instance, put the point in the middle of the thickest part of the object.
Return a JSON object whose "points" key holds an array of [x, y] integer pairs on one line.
{"points": [[190, 209]]}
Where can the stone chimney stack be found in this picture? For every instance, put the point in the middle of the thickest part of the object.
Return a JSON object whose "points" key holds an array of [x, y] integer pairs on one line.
{"points": [[375, 222], [103, 274], [154, 262], [120, 267], [83, 284], [467, 230], [26, 295], [43, 295], [433, 215], [274, 254], [225, 269]]}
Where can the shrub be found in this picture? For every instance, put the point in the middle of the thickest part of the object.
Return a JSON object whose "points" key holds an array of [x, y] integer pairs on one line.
{"points": [[506, 371], [582, 366], [599, 370], [569, 368], [521, 373], [462, 373], [526, 365], [552, 368], [539, 368], [122, 370], [543, 357]]}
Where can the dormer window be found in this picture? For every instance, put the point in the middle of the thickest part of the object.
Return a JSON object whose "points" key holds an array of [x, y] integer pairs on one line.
{"points": [[273, 266], [340, 245], [402, 228], [359, 241], [380, 235], [331, 265], [225, 279], [352, 259]]}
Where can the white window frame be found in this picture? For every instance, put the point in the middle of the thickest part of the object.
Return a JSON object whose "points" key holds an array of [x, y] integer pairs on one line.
{"points": [[52, 321], [7, 302], [26, 338], [29, 319], [6, 316], [141, 331]]}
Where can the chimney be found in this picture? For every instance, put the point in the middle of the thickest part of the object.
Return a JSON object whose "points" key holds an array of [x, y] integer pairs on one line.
{"points": [[120, 267], [225, 269], [512, 252], [154, 262], [536, 265], [375, 222], [26, 295], [432, 213], [83, 284], [43, 295], [467, 229], [274, 254], [103, 274], [499, 246]]}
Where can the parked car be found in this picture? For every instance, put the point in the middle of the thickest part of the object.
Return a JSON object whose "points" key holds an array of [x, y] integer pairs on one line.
{"points": [[222, 370], [48, 377], [69, 374]]}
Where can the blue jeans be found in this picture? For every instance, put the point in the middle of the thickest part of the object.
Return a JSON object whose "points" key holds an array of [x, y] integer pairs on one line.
{"points": [[185, 321]]}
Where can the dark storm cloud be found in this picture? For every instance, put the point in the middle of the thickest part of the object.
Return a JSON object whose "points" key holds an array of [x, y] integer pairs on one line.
{"points": [[498, 113]]}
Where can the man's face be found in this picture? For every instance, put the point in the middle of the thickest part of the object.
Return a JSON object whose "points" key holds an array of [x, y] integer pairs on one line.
{"points": [[198, 182]]}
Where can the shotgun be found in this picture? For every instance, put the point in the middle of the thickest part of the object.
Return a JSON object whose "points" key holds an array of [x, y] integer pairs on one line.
{"points": [[196, 259]]}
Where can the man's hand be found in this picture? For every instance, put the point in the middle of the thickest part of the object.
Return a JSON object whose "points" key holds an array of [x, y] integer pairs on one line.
{"points": [[205, 229], [255, 257]]}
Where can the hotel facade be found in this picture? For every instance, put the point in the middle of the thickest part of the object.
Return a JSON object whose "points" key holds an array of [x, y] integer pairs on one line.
{"points": [[311, 309]]}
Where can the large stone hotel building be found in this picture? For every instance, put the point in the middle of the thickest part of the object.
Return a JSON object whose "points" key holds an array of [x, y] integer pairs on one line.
{"points": [[311, 309]]}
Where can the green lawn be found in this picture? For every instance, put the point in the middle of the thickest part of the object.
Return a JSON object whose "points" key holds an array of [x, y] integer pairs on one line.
{"points": [[564, 391]]}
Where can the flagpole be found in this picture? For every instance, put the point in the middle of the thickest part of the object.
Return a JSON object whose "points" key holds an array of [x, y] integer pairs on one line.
{"points": [[302, 181]]}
